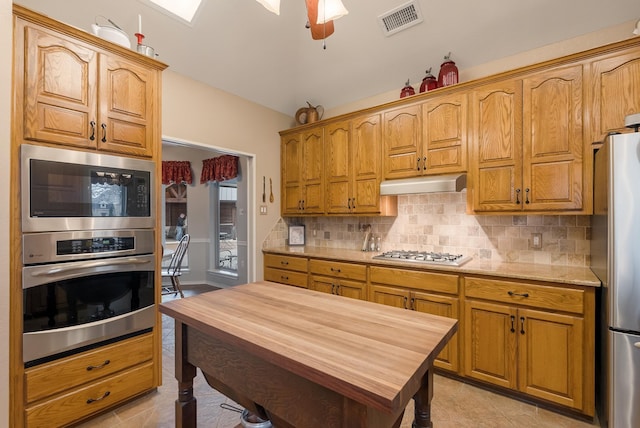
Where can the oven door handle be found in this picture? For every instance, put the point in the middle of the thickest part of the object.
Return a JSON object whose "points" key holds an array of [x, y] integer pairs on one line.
{"points": [[95, 264]]}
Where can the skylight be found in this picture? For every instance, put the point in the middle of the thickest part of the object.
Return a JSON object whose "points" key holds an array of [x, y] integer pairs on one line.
{"points": [[185, 9]]}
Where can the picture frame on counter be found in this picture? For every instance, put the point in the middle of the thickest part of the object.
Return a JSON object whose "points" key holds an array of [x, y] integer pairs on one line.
{"points": [[296, 235]]}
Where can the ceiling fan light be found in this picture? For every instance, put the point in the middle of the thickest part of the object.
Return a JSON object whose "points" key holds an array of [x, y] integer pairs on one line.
{"points": [[271, 5], [329, 10]]}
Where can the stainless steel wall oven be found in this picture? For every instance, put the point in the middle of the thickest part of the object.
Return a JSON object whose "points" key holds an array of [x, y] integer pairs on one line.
{"points": [[85, 288]]}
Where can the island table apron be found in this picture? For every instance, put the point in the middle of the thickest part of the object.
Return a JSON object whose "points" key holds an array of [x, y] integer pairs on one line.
{"points": [[306, 359]]}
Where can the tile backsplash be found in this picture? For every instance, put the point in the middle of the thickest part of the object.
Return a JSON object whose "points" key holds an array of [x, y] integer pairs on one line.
{"points": [[438, 222]]}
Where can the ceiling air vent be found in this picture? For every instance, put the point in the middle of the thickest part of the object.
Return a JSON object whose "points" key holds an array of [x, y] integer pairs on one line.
{"points": [[400, 18]]}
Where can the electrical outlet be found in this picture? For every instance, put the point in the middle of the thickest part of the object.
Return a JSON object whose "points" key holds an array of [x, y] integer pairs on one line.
{"points": [[263, 210], [536, 241]]}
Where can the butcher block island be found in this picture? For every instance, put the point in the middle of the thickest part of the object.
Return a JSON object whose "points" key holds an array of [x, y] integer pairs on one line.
{"points": [[304, 358]]}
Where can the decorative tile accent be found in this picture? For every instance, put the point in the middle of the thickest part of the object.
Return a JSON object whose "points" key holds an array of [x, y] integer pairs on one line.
{"points": [[438, 222]]}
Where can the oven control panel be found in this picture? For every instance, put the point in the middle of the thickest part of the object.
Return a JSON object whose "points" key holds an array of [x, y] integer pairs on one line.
{"points": [[57, 247], [94, 245]]}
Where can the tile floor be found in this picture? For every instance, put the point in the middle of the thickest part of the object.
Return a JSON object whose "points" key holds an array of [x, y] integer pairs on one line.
{"points": [[455, 404]]}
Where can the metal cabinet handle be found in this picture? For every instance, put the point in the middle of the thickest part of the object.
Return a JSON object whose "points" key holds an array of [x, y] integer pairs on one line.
{"points": [[303, 205], [424, 163], [418, 165], [518, 196], [526, 201], [335, 270], [521, 325], [93, 130], [284, 262], [337, 289], [405, 302], [104, 132], [106, 362], [413, 304], [93, 400], [513, 321], [333, 289], [353, 204], [513, 293], [284, 278], [349, 203]]}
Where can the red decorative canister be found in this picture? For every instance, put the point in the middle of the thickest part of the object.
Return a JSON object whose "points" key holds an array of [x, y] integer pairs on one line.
{"points": [[407, 90], [448, 72], [429, 82]]}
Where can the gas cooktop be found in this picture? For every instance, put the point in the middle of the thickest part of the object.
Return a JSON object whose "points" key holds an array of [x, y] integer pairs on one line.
{"points": [[424, 257]]}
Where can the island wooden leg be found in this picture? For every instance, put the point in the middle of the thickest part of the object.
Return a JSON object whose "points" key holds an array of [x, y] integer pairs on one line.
{"points": [[185, 372], [422, 401]]}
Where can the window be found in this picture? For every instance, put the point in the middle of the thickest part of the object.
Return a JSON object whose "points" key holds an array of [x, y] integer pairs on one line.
{"points": [[227, 248], [175, 204]]}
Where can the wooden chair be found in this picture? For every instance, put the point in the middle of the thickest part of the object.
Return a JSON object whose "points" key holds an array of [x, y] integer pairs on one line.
{"points": [[174, 270]]}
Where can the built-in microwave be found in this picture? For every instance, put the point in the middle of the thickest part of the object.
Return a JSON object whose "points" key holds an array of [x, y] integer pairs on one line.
{"points": [[65, 189]]}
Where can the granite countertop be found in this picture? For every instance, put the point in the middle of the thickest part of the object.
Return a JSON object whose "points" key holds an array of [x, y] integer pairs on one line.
{"points": [[549, 273]]}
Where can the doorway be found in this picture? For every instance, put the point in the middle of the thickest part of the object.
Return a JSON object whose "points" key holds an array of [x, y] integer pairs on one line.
{"points": [[217, 216]]}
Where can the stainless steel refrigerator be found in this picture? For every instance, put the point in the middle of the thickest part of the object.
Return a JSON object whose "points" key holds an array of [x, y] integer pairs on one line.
{"points": [[615, 259]]}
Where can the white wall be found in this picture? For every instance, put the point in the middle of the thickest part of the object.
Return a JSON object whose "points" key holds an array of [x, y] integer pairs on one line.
{"points": [[195, 112], [6, 42], [567, 47]]}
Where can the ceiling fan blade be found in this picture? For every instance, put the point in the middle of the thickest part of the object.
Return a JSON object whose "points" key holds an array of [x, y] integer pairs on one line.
{"points": [[318, 31]]}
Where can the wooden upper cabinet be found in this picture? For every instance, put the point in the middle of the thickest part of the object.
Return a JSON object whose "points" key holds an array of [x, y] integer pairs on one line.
{"points": [[60, 88], [302, 162], [313, 171], [79, 95], [291, 173], [615, 92], [553, 141], [496, 169], [528, 148], [126, 115], [353, 165], [444, 123], [402, 129]]}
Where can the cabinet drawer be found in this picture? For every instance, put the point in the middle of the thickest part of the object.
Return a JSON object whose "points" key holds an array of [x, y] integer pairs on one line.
{"points": [[299, 264], [522, 293], [338, 269], [428, 281], [93, 398], [288, 277], [58, 376]]}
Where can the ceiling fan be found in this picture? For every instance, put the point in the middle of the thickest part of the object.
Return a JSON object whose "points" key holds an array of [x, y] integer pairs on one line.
{"points": [[320, 14]]}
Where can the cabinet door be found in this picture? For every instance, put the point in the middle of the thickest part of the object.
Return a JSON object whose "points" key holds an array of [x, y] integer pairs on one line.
{"points": [[490, 343], [402, 142], [338, 167], [445, 134], [615, 91], [551, 356], [497, 144], [366, 158], [322, 284], [291, 173], [552, 140], [128, 94], [60, 89], [313, 171], [352, 289], [390, 296], [446, 307]]}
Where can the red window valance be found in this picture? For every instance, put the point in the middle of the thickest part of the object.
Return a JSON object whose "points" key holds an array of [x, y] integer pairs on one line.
{"points": [[176, 172], [219, 169]]}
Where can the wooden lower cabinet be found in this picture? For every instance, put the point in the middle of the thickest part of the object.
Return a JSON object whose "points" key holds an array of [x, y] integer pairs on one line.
{"points": [[66, 391], [544, 353], [342, 279], [419, 291], [287, 270]]}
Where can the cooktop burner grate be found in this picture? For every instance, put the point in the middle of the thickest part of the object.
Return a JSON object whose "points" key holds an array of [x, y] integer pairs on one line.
{"points": [[425, 257]]}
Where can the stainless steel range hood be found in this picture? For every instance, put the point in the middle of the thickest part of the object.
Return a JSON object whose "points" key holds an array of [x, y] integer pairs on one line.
{"points": [[427, 184]]}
